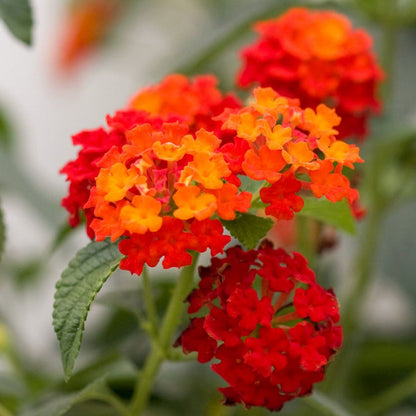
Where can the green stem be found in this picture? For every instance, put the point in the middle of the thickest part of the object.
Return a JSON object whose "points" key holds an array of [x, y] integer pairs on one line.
{"points": [[160, 348], [325, 405], [149, 301], [392, 396]]}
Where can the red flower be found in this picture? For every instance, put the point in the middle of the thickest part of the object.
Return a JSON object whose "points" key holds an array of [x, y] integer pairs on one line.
{"points": [[318, 57], [268, 351], [172, 241], [282, 197]]}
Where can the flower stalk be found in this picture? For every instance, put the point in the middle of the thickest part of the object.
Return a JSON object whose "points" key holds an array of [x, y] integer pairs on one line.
{"points": [[161, 345]]}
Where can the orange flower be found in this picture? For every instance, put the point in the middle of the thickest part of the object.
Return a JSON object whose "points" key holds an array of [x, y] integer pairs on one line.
{"points": [[322, 122], [298, 155], [203, 142], [268, 102], [116, 181], [109, 223], [206, 169], [168, 151], [229, 201], [340, 152], [245, 124], [266, 165], [192, 204], [334, 186], [277, 137], [140, 138], [142, 215]]}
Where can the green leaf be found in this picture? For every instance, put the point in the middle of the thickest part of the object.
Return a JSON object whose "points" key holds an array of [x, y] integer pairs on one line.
{"points": [[248, 228], [337, 214], [17, 15], [76, 290]]}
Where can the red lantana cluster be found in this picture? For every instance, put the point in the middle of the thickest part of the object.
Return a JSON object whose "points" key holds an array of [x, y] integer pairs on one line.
{"points": [[272, 346], [318, 57]]}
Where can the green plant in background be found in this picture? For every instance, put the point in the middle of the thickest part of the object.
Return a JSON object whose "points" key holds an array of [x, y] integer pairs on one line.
{"points": [[155, 186]]}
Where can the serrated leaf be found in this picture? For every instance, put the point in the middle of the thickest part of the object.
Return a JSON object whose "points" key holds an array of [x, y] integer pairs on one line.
{"points": [[58, 406], [248, 228], [337, 214], [2, 232], [76, 290], [17, 15]]}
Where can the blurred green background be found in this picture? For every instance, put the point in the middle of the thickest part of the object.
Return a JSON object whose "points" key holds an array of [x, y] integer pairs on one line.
{"points": [[40, 107]]}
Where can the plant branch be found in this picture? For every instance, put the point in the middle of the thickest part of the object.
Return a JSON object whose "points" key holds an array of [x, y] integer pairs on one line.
{"points": [[149, 301], [160, 349]]}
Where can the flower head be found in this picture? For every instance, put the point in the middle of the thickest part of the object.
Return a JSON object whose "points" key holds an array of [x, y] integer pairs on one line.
{"points": [[131, 129], [147, 170], [272, 345], [291, 150], [318, 57]]}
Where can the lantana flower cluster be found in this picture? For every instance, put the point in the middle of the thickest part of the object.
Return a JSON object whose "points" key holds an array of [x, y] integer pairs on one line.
{"points": [[170, 171], [290, 149], [271, 344], [318, 57], [124, 178], [162, 181]]}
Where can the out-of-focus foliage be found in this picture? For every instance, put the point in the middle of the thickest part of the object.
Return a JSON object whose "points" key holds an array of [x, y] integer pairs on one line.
{"points": [[17, 16], [395, 12], [118, 341]]}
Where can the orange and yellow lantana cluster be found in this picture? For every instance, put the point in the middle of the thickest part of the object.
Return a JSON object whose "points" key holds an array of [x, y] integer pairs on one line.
{"points": [[163, 173], [292, 149], [164, 179]]}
